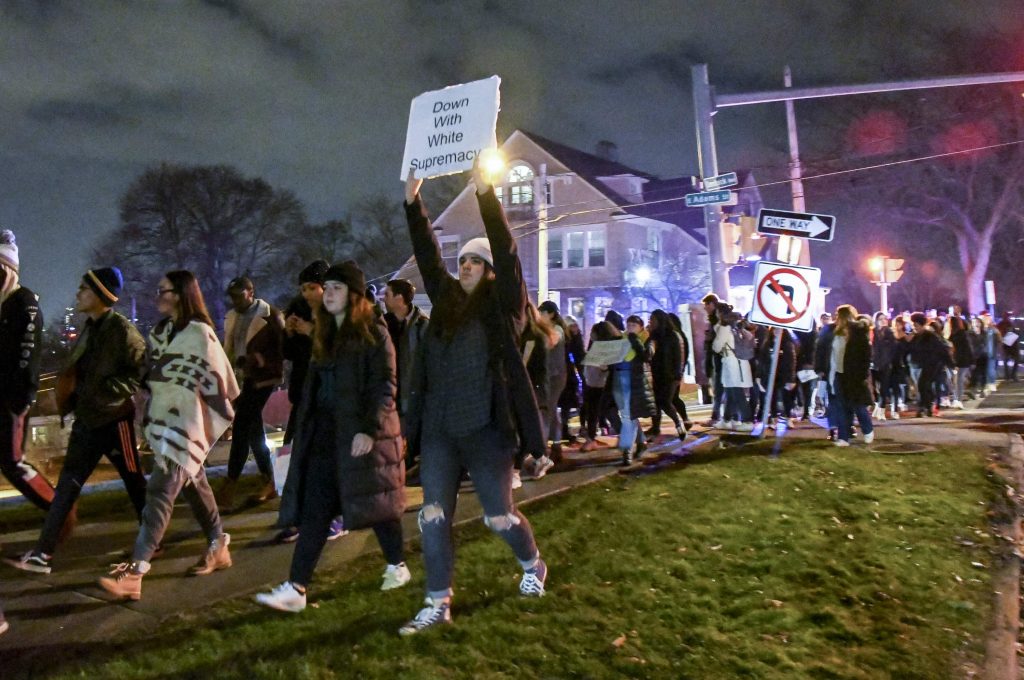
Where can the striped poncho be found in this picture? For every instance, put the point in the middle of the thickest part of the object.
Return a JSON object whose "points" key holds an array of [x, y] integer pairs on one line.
{"points": [[191, 385]]}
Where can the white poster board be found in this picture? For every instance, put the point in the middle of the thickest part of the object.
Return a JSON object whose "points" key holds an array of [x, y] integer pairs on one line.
{"points": [[607, 352], [449, 128]]}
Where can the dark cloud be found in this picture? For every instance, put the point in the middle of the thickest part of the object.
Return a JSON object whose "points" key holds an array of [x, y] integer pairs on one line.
{"points": [[313, 96]]}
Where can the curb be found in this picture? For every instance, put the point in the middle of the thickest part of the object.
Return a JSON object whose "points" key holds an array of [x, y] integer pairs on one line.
{"points": [[1004, 627]]}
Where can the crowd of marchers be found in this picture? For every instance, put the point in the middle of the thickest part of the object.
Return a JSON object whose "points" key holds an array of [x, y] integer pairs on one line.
{"points": [[383, 396], [851, 368]]}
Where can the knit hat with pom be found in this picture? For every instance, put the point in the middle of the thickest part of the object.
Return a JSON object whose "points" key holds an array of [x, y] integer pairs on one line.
{"points": [[8, 249]]}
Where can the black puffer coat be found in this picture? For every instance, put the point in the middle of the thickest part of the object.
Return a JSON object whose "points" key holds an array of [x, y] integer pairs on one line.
{"points": [[372, 486], [641, 390]]}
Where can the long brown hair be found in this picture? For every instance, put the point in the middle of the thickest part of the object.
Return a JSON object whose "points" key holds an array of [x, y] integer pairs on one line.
{"points": [[459, 307], [845, 316], [356, 328], [190, 305], [539, 327]]}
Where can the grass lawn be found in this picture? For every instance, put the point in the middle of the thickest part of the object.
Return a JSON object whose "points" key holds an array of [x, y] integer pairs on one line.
{"points": [[822, 563]]}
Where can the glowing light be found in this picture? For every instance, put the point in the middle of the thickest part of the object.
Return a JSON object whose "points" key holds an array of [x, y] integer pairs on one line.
{"points": [[875, 264], [642, 275], [493, 163]]}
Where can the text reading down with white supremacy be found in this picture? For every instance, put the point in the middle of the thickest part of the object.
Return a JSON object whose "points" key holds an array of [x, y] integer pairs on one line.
{"points": [[449, 128]]}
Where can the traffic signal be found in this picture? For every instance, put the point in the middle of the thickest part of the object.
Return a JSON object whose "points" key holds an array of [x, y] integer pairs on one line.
{"points": [[887, 269], [740, 239]]}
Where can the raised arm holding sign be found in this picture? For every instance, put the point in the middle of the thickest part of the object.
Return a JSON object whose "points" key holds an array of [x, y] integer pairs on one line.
{"points": [[449, 128]]}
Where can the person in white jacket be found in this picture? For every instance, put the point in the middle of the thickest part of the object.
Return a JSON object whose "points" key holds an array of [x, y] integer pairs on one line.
{"points": [[736, 375]]}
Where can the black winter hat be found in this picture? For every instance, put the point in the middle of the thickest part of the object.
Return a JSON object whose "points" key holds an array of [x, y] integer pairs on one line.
{"points": [[548, 306], [349, 273], [314, 272], [615, 319], [106, 282]]}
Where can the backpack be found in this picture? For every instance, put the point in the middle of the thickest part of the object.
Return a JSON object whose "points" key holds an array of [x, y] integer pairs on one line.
{"points": [[743, 343]]}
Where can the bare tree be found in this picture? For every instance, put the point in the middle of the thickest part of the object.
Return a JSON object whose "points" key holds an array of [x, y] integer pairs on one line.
{"points": [[210, 220]]}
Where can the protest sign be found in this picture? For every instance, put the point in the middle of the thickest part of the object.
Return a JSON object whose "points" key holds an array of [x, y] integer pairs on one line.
{"points": [[449, 128], [607, 352]]}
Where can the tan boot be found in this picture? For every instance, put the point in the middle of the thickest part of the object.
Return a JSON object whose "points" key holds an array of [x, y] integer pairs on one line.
{"points": [[226, 494], [268, 491], [124, 582], [217, 556]]}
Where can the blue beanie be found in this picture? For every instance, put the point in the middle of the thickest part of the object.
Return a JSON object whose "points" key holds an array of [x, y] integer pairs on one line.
{"points": [[106, 282]]}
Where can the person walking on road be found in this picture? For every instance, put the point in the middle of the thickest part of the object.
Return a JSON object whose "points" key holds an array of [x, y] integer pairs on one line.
{"points": [[98, 384], [472, 396], [666, 372], [191, 385], [21, 331], [348, 455], [932, 355], [963, 358], [253, 340], [736, 375]]}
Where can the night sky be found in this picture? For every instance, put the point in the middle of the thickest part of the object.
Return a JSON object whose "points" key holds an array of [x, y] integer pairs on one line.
{"points": [[314, 96]]}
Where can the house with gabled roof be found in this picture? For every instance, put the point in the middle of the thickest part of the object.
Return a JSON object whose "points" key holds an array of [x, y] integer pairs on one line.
{"points": [[618, 238]]}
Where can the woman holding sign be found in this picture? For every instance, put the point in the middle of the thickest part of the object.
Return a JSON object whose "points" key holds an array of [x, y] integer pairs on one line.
{"points": [[471, 400]]}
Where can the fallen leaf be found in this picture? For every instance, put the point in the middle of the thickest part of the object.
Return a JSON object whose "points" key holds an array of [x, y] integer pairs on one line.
{"points": [[619, 641], [717, 547], [774, 603], [837, 520], [978, 565], [849, 536], [681, 549], [664, 494]]}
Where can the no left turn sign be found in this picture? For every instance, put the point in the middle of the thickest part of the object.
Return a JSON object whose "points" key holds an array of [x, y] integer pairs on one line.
{"points": [[783, 295]]}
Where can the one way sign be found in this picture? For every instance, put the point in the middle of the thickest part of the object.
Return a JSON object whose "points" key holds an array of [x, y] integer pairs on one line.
{"points": [[801, 225]]}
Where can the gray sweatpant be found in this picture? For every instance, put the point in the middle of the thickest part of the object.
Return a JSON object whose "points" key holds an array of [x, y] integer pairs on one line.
{"points": [[161, 491]]}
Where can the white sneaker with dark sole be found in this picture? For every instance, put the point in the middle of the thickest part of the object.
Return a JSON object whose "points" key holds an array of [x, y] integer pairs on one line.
{"points": [[532, 583], [431, 615], [33, 561]]}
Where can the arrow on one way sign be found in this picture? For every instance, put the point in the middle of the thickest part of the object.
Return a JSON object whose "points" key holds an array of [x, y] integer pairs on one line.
{"points": [[801, 225]]}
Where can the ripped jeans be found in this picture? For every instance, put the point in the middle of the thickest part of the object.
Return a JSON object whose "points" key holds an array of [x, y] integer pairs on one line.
{"points": [[488, 457]]}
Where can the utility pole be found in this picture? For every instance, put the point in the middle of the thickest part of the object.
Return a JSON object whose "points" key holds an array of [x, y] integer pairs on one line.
{"points": [[540, 197], [792, 249], [704, 108]]}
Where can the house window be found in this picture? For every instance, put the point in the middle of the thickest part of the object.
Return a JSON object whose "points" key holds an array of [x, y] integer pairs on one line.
{"points": [[519, 186], [555, 258], [450, 253], [576, 249], [595, 248]]}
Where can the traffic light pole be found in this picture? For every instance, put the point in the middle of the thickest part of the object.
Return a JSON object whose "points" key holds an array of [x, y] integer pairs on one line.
{"points": [[706, 104]]}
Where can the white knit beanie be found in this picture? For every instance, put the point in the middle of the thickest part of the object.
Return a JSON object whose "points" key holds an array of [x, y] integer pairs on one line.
{"points": [[480, 247], [8, 249]]}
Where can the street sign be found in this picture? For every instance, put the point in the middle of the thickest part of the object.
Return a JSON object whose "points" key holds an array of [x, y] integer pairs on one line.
{"points": [[725, 181], [711, 198], [802, 225], [783, 294]]}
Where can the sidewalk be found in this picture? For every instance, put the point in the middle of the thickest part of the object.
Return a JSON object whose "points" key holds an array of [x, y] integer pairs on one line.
{"points": [[48, 611]]}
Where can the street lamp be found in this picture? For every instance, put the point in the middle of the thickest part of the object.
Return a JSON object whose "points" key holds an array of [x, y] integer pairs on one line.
{"points": [[493, 163], [642, 275]]}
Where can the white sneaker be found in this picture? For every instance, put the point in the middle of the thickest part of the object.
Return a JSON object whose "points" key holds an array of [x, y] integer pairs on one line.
{"points": [[532, 583], [743, 427], [517, 480], [720, 425], [958, 404], [877, 413], [869, 437], [285, 598], [541, 467], [895, 415], [396, 576], [842, 442]]}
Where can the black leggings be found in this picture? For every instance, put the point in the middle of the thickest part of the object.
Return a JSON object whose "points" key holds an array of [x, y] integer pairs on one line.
{"points": [[321, 503], [663, 398]]}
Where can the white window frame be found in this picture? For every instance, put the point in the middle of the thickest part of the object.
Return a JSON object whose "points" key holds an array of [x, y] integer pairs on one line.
{"points": [[442, 241], [588, 232]]}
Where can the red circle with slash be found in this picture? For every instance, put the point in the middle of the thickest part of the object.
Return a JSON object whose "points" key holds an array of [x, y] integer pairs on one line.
{"points": [[776, 287]]}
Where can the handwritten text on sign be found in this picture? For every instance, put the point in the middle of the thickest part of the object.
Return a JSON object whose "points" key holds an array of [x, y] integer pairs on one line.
{"points": [[449, 128]]}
